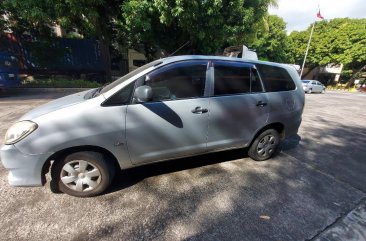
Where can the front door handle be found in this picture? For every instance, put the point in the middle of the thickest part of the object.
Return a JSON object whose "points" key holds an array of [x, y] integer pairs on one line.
{"points": [[261, 103], [199, 110]]}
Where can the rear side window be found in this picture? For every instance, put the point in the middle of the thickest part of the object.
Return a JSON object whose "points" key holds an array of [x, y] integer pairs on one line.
{"points": [[275, 78], [235, 78]]}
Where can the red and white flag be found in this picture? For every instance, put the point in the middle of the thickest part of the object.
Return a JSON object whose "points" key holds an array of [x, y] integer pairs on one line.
{"points": [[318, 15]]}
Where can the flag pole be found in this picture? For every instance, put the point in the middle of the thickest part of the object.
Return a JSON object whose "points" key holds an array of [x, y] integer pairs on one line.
{"points": [[307, 49]]}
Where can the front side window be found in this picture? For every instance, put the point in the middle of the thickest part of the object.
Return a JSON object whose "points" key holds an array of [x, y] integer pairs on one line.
{"points": [[180, 80], [275, 78], [122, 97], [129, 75], [233, 78]]}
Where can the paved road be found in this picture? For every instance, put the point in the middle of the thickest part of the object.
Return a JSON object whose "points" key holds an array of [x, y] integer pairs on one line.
{"points": [[313, 189]]}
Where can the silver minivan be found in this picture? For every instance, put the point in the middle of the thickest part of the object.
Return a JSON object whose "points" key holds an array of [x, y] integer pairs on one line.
{"points": [[170, 108]]}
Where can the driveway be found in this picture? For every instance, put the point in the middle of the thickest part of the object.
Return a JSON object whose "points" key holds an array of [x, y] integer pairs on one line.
{"points": [[313, 189]]}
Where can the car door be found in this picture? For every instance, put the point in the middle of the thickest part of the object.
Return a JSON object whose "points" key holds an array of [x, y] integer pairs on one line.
{"points": [[238, 107], [175, 122]]}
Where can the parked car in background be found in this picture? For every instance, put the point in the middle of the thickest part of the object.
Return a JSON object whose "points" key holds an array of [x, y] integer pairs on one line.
{"points": [[313, 86], [170, 108], [9, 71]]}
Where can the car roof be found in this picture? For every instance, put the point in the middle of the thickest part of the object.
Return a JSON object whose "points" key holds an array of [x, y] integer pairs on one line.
{"points": [[209, 57]]}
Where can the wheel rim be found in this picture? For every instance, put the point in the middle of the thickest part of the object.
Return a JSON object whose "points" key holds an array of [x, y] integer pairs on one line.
{"points": [[80, 176], [266, 146]]}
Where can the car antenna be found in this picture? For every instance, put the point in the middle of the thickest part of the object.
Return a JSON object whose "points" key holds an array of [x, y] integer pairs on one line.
{"points": [[179, 48]]}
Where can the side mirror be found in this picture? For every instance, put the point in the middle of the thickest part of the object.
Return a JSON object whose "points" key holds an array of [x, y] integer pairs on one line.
{"points": [[143, 94]]}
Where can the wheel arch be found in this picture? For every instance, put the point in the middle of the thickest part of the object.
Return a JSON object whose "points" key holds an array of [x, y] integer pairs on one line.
{"points": [[59, 155], [279, 127]]}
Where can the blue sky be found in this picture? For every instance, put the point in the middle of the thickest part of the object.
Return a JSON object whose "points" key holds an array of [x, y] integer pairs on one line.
{"points": [[299, 14]]}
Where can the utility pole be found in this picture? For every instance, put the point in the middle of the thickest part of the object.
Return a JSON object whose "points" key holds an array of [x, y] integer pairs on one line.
{"points": [[307, 49]]}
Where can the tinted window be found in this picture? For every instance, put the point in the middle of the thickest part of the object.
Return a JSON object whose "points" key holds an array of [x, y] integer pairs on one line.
{"points": [[275, 78], [235, 78], [305, 81], [122, 97], [178, 81]]}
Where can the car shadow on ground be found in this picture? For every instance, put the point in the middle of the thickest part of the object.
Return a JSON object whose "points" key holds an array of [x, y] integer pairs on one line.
{"points": [[289, 143], [130, 177]]}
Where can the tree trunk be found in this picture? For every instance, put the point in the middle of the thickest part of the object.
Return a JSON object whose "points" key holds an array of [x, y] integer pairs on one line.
{"points": [[104, 43]]}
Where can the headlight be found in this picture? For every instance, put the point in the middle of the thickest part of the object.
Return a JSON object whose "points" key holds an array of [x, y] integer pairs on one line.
{"points": [[18, 131]]}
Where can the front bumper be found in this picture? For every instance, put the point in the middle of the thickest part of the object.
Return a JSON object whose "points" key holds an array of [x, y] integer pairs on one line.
{"points": [[24, 170], [306, 88]]}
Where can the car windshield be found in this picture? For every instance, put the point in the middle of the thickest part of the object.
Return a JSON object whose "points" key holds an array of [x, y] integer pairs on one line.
{"points": [[129, 75], [306, 81]]}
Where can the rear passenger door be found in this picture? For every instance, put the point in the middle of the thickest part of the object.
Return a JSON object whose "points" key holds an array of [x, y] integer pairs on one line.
{"points": [[238, 106]]}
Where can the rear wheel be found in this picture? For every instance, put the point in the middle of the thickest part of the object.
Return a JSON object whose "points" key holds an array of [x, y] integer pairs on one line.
{"points": [[265, 145], [83, 174]]}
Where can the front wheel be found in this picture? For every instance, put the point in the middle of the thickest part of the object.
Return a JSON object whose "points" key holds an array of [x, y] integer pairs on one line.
{"points": [[265, 145], [309, 91], [83, 174]]}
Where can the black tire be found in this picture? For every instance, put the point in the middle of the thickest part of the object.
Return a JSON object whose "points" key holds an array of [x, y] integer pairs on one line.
{"points": [[265, 145], [309, 91], [82, 174]]}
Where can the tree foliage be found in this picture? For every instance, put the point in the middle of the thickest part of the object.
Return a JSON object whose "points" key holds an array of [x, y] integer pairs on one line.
{"points": [[208, 25], [150, 25], [340, 40], [272, 43]]}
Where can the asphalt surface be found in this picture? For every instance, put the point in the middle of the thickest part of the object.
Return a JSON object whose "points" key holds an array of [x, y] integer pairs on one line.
{"points": [[314, 189]]}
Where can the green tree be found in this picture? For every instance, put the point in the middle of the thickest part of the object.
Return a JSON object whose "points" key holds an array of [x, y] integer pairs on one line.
{"points": [[341, 40], [150, 25], [272, 43], [208, 25]]}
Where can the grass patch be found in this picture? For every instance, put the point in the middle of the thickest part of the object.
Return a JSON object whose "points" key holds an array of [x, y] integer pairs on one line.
{"points": [[339, 87], [60, 83]]}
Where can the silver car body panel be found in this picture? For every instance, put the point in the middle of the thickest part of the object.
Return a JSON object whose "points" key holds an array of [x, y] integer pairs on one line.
{"points": [[234, 119], [137, 134], [165, 130], [55, 105], [313, 85]]}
